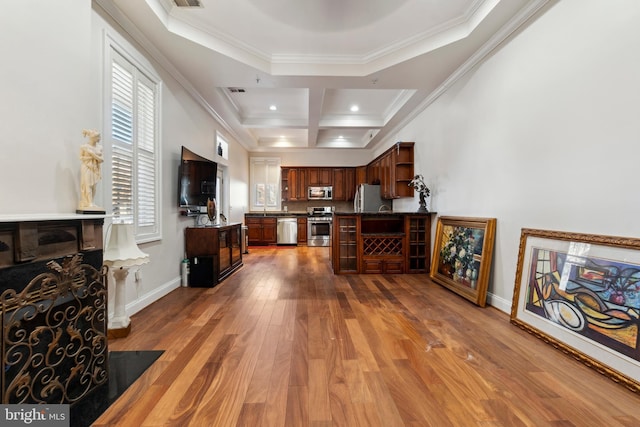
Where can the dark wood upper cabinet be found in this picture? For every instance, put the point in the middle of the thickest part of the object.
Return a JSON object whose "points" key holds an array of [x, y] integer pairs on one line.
{"points": [[320, 176], [361, 175], [294, 190], [294, 184], [350, 183], [402, 169], [285, 188], [301, 186], [339, 184], [393, 170]]}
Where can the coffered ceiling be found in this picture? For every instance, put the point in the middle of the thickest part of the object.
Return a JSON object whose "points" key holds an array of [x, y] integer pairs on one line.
{"points": [[296, 74]]}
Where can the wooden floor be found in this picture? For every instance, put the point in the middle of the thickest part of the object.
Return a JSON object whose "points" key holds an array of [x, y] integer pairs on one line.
{"points": [[284, 342]]}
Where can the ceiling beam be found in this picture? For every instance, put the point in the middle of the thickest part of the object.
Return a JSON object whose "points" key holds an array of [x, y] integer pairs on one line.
{"points": [[316, 99]]}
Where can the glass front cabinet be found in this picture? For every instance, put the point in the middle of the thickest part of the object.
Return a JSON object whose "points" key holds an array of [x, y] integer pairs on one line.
{"points": [[346, 248]]}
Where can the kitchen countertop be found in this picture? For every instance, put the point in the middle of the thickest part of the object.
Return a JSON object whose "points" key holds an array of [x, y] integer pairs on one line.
{"points": [[219, 225], [305, 214], [276, 213], [383, 213]]}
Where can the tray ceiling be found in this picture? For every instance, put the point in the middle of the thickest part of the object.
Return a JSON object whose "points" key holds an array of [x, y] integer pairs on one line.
{"points": [[286, 74]]}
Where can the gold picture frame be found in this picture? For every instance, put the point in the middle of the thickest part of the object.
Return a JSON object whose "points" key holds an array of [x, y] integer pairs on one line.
{"points": [[581, 294], [463, 251]]}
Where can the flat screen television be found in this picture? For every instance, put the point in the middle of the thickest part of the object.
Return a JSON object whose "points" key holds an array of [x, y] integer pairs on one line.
{"points": [[196, 180]]}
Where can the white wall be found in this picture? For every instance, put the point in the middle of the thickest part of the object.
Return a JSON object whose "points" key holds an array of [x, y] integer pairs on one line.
{"points": [[183, 122], [545, 134], [51, 86], [49, 92]]}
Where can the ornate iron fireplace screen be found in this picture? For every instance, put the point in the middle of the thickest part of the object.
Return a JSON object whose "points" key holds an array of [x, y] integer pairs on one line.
{"points": [[54, 343]]}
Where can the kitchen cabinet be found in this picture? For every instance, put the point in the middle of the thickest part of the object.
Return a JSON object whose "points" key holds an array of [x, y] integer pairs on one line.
{"points": [[262, 230], [302, 230], [393, 170], [343, 184], [350, 183], [298, 180], [402, 169], [419, 243], [373, 172], [294, 184], [339, 184], [384, 243], [214, 253], [320, 176], [285, 188], [386, 178], [361, 175], [345, 244]]}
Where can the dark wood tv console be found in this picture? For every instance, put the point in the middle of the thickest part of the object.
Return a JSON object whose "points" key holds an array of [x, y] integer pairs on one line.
{"points": [[214, 252]]}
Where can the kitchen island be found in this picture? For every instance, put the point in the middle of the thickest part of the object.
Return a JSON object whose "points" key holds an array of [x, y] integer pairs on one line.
{"points": [[381, 242]]}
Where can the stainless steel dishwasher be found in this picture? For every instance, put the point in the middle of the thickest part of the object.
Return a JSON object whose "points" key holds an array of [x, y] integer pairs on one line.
{"points": [[287, 230]]}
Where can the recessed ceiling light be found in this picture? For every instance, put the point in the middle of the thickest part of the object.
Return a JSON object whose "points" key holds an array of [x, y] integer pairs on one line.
{"points": [[340, 137], [273, 108], [354, 108]]}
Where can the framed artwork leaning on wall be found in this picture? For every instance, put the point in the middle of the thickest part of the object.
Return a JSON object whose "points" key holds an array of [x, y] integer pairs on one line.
{"points": [[581, 294], [462, 256]]}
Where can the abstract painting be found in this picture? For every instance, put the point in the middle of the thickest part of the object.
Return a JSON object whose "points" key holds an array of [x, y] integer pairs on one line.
{"points": [[581, 293]]}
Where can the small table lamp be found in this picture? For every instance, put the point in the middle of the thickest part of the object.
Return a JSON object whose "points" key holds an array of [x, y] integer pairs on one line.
{"points": [[121, 254]]}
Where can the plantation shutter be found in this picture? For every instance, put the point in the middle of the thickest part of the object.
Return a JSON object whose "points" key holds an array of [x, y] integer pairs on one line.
{"points": [[134, 140], [146, 171], [122, 154]]}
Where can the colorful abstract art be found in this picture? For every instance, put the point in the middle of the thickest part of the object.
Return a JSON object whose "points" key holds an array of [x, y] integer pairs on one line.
{"points": [[596, 298]]}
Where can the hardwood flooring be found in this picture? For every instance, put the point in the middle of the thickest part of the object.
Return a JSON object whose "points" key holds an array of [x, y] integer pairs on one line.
{"points": [[284, 342]]}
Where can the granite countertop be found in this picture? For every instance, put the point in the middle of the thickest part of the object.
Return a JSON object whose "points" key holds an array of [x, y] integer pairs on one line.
{"points": [[383, 213], [277, 213], [304, 213], [219, 225]]}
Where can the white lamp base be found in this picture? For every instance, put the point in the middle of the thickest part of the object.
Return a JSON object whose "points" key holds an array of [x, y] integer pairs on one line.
{"points": [[120, 325]]}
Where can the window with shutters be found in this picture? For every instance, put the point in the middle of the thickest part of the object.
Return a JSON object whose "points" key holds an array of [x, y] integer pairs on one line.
{"points": [[133, 135], [264, 181]]}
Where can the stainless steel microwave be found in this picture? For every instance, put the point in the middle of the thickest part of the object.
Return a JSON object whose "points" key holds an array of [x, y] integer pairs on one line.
{"points": [[320, 193]]}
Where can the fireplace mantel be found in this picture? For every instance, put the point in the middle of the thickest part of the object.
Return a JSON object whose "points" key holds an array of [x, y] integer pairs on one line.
{"points": [[28, 217], [53, 302]]}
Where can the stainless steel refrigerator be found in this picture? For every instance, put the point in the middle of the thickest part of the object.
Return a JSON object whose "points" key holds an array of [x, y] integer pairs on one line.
{"points": [[368, 198]]}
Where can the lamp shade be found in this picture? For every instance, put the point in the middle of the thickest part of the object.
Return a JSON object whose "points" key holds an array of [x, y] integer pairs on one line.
{"points": [[121, 250]]}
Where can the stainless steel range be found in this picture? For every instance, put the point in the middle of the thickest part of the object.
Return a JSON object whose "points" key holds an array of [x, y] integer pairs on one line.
{"points": [[319, 225]]}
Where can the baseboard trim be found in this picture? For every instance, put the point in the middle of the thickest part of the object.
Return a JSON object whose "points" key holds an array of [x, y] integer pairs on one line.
{"points": [[151, 297], [499, 302]]}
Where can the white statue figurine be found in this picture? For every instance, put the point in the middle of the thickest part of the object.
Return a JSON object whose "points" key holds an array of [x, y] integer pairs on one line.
{"points": [[91, 158]]}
